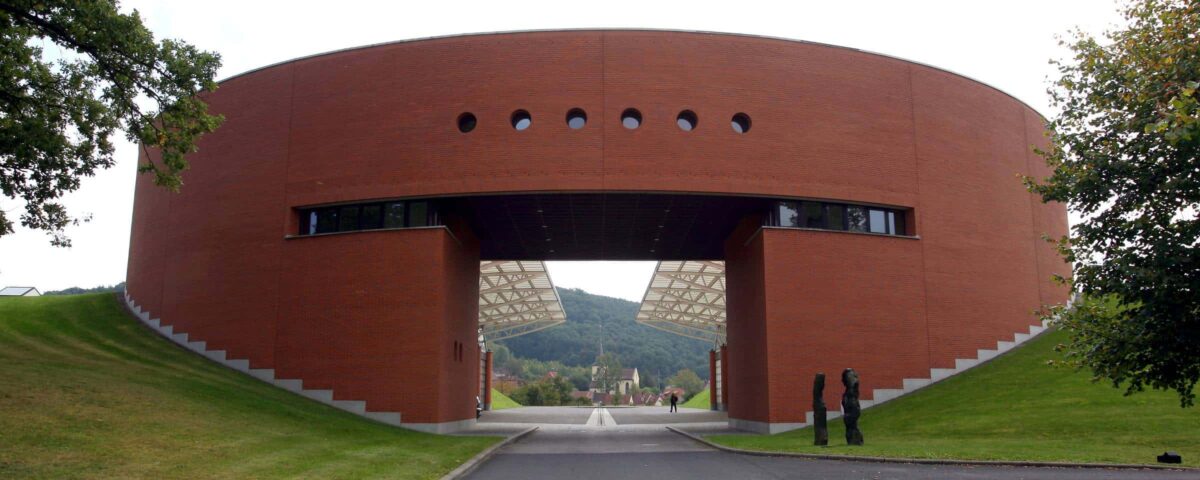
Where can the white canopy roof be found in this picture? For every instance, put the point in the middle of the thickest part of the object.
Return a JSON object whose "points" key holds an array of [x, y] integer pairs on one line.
{"points": [[687, 298], [515, 298]]}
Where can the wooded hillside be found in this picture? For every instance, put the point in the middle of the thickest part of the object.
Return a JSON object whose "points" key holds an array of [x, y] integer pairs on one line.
{"points": [[576, 342]]}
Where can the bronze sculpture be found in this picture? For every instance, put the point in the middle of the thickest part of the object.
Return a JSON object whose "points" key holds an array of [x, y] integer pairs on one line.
{"points": [[850, 408], [820, 429]]}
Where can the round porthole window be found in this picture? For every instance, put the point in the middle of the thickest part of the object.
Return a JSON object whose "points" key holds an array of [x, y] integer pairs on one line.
{"points": [[740, 123], [466, 122], [687, 120], [521, 120], [576, 118], [631, 118]]}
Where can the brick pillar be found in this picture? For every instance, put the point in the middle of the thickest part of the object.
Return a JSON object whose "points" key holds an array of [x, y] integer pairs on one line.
{"points": [[725, 378], [713, 378], [487, 381]]}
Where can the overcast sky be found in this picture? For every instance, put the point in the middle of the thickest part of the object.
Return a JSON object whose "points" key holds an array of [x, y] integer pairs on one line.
{"points": [[1005, 44]]}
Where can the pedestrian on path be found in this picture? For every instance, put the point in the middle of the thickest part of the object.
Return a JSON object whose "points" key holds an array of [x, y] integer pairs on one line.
{"points": [[674, 402]]}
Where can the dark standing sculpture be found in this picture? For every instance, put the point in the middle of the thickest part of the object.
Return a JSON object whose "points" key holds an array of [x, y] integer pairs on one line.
{"points": [[850, 407], [820, 429]]}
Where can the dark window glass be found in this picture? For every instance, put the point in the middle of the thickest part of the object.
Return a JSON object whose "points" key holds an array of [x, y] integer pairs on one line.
{"points": [[348, 218], [466, 122], [418, 214], [327, 220], [835, 217], [878, 221], [856, 219], [576, 118], [814, 214], [740, 123], [687, 120], [900, 226], [393, 215], [631, 118], [787, 214], [521, 120], [371, 217]]}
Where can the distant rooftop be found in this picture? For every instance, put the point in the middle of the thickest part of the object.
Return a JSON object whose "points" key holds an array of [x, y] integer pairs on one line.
{"points": [[20, 292]]}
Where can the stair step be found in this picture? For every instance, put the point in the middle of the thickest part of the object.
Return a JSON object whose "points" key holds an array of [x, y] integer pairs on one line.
{"points": [[352, 406], [264, 374], [390, 418], [291, 385], [936, 374], [325, 396], [884, 394], [240, 365]]}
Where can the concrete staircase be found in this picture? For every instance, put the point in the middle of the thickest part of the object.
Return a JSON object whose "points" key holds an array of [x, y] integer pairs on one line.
{"points": [[357, 407], [883, 395]]}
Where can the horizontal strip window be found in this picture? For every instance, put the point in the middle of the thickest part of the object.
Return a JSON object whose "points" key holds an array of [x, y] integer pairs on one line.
{"points": [[837, 216], [368, 216]]}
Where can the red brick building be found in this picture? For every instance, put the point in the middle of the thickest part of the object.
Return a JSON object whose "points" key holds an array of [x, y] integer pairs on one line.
{"points": [[329, 235]]}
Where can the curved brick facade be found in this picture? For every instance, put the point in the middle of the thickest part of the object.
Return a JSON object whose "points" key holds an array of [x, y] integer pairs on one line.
{"points": [[375, 316]]}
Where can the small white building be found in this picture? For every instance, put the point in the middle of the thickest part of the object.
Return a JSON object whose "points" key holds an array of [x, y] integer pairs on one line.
{"points": [[19, 292], [630, 381]]}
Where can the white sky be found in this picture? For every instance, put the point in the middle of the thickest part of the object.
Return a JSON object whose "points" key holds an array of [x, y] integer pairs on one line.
{"points": [[1005, 44]]}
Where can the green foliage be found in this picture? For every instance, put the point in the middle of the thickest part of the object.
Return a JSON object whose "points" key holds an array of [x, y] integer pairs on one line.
{"points": [[88, 392], [608, 372], [1012, 408], [700, 400], [545, 392], [688, 381], [59, 114], [120, 287], [655, 353], [500, 401], [1125, 156]]}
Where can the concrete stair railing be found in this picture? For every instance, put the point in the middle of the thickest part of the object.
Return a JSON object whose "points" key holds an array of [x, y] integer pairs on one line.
{"points": [[883, 395], [357, 407]]}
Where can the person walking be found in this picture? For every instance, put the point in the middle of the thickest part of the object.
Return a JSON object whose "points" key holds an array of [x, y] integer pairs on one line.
{"points": [[674, 402]]}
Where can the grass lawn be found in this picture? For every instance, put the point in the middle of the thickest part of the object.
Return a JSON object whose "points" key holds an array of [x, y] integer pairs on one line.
{"points": [[699, 400], [1013, 408], [88, 392], [501, 401]]}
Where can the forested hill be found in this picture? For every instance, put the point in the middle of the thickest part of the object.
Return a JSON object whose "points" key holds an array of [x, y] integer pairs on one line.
{"points": [[576, 342]]}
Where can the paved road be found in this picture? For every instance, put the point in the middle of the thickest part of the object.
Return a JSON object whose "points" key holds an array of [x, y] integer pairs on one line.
{"points": [[571, 444]]}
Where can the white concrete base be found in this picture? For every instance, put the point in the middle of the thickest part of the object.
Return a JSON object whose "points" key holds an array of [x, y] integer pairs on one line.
{"points": [[357, 407], [444, 427], [763, 427]]}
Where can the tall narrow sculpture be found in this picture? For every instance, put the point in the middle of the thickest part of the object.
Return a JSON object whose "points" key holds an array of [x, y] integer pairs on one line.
{"points": [[850, 408], [820, 429]]}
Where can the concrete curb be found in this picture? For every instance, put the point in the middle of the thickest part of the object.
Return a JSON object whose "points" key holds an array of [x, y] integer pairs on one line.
{"points": [[928, 461], [470, 465]]}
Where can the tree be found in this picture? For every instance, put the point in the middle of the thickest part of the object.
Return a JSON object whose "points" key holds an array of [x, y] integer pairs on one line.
{"points": [[59, 114], [609, 372], [688, 381], [1124, 157]]}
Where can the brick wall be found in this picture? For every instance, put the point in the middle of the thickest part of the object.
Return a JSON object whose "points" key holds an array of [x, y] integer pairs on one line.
{"points": [[380, 122]]}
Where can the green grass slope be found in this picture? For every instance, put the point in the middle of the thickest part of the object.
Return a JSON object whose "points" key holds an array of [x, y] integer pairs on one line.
{"points": [[88, 392], [1014, 408], [699, 400], [501, 401]]}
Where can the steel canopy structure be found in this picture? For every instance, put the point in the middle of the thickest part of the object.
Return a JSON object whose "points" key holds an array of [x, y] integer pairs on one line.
{"points": [[687, 298], [516, 298]]}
